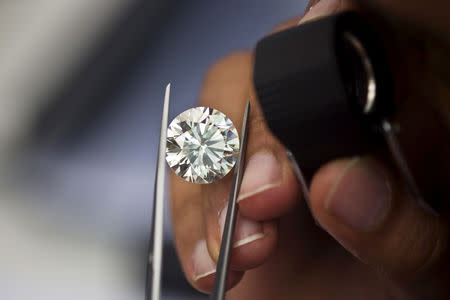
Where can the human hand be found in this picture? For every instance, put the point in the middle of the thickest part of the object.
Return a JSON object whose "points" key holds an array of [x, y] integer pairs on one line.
{"points": [[378, 244]]}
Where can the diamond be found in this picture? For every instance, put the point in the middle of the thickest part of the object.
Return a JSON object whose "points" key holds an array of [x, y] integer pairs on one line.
{"points": [[202, 145]]}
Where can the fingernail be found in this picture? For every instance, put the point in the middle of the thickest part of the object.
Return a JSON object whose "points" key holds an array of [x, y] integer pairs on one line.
{"points": [[321, 9], [246, 231], [203, 264], [262, 172], [361, 195]]}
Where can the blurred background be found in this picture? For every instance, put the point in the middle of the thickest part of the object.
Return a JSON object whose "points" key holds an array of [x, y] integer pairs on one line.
{"points": [[81, 90]]}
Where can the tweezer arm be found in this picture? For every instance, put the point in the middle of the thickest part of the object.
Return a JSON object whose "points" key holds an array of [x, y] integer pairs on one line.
{"points": [[230, 220], [154, 265]]}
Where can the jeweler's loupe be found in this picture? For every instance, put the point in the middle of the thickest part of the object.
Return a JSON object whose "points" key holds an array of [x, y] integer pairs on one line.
{"points": [[327, 92]]}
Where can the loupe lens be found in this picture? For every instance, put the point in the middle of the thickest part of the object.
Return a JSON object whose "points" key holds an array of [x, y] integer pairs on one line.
{"points": [[357, 73]]}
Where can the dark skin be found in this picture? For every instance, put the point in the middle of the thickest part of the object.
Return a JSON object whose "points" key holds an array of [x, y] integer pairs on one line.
{"points": [[404, 254]]}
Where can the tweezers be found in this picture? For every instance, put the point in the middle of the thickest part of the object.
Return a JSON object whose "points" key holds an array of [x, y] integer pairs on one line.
{"points": [[155, 253], [226, 245]]}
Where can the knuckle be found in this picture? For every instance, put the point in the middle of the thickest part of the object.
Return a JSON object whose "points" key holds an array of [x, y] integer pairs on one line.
{"points": [[257, 125], [434, 245], [236, 59], [421, 249], [228, 75], [260, 136], [226, 84]]}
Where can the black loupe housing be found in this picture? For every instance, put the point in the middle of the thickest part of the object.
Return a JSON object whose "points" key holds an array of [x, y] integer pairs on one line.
{"points": [[323, 87]]}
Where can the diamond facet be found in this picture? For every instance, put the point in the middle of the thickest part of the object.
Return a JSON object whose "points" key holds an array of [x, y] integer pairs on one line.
{"points": [[202, 145]]}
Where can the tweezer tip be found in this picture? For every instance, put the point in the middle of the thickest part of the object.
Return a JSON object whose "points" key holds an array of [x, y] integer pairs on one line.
{"points": [[166, 105]]}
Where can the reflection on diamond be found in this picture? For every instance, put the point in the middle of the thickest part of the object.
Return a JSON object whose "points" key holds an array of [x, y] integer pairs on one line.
{"points": [[202, 145]]}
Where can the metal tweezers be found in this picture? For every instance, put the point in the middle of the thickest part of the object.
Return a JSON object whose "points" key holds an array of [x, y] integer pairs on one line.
{"points": [[155, 256]]}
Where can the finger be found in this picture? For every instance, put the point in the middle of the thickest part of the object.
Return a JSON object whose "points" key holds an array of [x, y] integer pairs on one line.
{"points": [[189, 234], [268, 188], [362, 205]]}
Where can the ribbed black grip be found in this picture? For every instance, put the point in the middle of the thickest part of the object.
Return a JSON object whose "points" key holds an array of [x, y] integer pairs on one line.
{"points": [[303, 78]]}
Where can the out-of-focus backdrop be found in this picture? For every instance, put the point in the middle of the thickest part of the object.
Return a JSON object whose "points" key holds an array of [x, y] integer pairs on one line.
{"points": [[81, 90]]}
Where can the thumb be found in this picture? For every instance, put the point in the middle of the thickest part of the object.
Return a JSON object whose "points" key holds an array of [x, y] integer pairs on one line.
{"points": [[359, 202]]}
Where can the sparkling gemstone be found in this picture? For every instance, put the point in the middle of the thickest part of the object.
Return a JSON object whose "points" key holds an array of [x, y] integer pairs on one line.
{"points": [[202, 145]]}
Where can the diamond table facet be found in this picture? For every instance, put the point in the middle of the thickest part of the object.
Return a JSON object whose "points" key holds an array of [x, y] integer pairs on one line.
{"points": [[202, 145]]}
